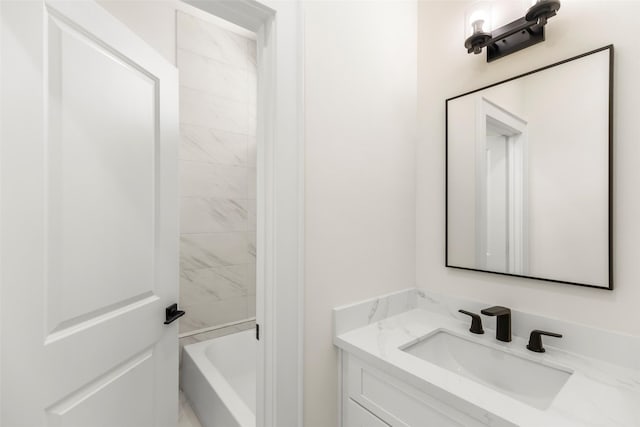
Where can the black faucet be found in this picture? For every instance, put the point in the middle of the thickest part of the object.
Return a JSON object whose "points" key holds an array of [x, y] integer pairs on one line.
{"points": [[476, 322], [503, 323], [535, 340]]}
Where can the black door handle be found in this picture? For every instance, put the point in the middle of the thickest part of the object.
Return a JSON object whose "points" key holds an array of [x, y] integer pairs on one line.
{"points": [[172, 313]]}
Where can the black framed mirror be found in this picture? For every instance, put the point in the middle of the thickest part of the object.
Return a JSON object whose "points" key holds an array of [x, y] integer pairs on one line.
{"points": [[529, 174]]}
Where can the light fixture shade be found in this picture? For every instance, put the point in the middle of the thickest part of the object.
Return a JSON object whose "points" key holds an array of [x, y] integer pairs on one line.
{"points": [[542, 10]]}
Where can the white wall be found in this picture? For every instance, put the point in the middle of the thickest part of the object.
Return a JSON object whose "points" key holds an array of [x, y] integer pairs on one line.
{"points": [[445, 70], [360, 106]]}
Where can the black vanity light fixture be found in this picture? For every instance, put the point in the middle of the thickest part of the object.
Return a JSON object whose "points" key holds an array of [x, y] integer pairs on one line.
{"points": [[510, 38]]}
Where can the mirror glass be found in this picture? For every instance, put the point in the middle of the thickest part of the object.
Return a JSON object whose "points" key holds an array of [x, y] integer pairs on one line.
{"points": [[528, 174]]}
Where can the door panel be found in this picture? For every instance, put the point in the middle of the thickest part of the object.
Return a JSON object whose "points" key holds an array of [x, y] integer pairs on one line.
{"points": [[89, 220], [101, 179], [360, 417], [103, 400]]}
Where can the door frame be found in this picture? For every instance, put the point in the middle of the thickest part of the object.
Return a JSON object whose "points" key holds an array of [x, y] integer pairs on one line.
{"points": [[278, 26]]}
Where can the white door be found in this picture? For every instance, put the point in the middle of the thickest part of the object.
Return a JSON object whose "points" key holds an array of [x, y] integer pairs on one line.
{"points": [[89, 227]]}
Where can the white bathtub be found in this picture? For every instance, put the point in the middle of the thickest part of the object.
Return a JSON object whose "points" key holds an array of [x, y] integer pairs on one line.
{"points": [[218, 378]]}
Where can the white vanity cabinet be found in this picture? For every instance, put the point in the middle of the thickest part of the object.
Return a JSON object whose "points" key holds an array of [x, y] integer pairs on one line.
{"points": [[372, 398], [388, 378]]}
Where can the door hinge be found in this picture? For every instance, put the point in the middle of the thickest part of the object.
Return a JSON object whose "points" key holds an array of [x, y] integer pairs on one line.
{"points": [[257, 332]]}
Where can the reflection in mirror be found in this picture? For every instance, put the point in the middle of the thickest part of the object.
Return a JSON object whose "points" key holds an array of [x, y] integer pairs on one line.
{"points": [[500, 167], [528, 174]]}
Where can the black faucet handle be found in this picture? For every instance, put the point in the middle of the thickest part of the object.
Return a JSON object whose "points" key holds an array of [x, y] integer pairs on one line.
{"points": [[476, 322], [535, 340], [497, 310]]}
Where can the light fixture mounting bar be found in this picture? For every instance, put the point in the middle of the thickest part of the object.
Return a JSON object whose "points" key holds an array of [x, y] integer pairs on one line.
{"points": [[515, 36]]}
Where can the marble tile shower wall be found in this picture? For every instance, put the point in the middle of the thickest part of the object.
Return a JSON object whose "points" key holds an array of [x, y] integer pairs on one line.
{"points": [[217, 171]]}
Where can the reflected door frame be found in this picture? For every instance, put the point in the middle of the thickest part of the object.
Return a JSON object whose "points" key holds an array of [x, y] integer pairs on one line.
{"points": [[514, 129]]}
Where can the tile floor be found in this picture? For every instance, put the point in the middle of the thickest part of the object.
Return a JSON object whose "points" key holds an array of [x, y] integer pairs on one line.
{"points": [[186, 416]]}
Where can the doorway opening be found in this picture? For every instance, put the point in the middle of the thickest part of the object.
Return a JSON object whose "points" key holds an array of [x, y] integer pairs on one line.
{"points": [[105, 225], [217, 65]]}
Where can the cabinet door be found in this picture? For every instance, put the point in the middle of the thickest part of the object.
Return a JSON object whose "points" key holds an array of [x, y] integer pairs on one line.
{"points": [[357, 416], [402, 405]]}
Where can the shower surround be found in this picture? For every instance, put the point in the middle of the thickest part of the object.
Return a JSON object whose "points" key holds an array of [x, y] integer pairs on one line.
{"points": [[217, 172]]}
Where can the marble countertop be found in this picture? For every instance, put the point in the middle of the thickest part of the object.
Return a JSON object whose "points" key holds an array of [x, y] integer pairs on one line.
{"points": [[598, 393]]}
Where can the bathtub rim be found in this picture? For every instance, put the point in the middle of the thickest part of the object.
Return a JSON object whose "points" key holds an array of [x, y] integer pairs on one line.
{"points": [[239, 410]]}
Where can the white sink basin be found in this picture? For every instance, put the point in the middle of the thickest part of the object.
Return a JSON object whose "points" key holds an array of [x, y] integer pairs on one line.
{"points": [[530, 382]]}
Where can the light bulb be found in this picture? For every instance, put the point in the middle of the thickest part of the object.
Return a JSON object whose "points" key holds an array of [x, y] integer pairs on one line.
{"points": [[477, 26], [477, 21], [477, 18]]}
